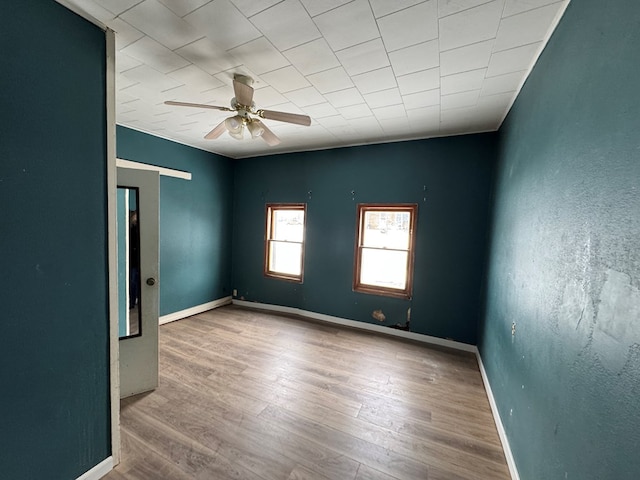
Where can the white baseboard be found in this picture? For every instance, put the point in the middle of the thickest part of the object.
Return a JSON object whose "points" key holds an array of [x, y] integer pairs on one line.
{"points": [[98, 471], [496, 417], [172, 317], [359, 325]]}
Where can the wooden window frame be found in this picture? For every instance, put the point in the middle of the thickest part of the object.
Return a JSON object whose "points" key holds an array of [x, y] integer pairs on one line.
{"points": [[358, 286], [268, 241]]}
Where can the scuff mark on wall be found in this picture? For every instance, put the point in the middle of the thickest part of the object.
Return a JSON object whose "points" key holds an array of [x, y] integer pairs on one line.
{"points": [[378, 315], [613, 336]]}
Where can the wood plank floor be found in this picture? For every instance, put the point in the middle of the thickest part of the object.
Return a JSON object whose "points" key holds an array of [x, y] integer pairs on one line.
{"points": [[249, 395]]}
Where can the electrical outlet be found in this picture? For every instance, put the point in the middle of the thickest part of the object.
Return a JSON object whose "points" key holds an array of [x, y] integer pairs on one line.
{"points": [[513, 329], [235, 292]]}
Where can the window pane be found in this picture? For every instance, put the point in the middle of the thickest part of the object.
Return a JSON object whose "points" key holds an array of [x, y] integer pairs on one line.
{"points": [[288, 225], [285, 258], [384, 268], [386, 229]]}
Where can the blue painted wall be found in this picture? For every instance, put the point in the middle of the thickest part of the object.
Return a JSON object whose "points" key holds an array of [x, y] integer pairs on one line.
{"points": [[565, 255], [54, 368], [451, 238], [195, 219]]}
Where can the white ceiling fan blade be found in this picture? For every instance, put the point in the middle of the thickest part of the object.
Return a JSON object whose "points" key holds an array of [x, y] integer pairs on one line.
{"points": [[285, 117], [198, 105], [216, 132], [267, 135], [244, 93]]}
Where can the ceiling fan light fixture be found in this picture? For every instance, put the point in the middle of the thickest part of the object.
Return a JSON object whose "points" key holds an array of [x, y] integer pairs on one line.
{"points": [[255, 129], [237, 135], [234, 124]]}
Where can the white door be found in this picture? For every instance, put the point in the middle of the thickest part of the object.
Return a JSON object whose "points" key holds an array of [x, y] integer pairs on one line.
{"points": [[138, 268]]}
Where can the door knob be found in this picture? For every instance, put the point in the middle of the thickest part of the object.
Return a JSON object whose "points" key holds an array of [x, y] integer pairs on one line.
{"points": [[151, 281]]}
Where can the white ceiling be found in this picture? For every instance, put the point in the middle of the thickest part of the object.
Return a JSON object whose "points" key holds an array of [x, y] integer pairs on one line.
{"points": [[365, 71]]}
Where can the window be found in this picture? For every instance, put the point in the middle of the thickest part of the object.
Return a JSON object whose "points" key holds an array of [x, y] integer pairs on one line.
{"points": [[384, 249], [284, 244]]}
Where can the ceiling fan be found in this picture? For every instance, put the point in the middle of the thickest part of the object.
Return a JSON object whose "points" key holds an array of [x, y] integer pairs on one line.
{"points": [[245, 111]]}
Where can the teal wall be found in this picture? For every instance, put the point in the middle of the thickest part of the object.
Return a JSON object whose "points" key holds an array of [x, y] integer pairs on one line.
{"points": [[54, 359], [195, 219], [451, 237], [565, 255]]}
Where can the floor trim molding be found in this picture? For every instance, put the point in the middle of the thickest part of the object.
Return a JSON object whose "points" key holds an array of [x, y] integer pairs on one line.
{"points": [[99, 471], [359, 325], [172, 317], [506, 448]]}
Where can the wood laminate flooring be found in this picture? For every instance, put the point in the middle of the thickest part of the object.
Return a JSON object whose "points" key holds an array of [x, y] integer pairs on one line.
{"points": [[246, 394]]}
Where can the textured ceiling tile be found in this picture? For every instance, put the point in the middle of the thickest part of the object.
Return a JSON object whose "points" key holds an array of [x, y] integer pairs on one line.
{"points": [[365, 57], [426, 114], [312, 57], [251, 7], [459, 100], [161, 24], [355, 111], [418, 57], [407, 27], [422, 99], [344, 98], [470, 57], [286, 79], [512, 60], [462, 82], [331, 80], [385, 7], [525, 28], [509, 82], [333, 121], [383, 98], [286, 25], [195, 78], [268, 97], [395, 126], [513, 7], [419, 81], [462, 120], [157, 56], [470, 26], [449, 7], [316, 7], [375, 81], [96, 11], [125, 33], [305, 97], [320, 110], [207, 56], [391, 111], [125, 62], [348, 25], [147, 75], [183, 7], [260, 56], [223, 24], [122, 83]]}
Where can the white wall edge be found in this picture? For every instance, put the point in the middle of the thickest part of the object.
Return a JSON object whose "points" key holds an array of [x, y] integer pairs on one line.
{"points": [[498, 421], [360, 325], [166, 172], [98, 471], [172, 317], [114, 344]]}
